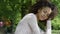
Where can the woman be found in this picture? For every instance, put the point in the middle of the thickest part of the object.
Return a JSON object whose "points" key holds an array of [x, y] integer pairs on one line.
{"points": [[42, 11]]}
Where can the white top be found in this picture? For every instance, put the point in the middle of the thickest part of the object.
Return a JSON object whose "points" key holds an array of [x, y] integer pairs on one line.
{"points": [[29, 25]]}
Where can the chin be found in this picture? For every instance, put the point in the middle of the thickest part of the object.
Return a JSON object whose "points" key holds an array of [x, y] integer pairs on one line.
{"points": [[43, 19]]}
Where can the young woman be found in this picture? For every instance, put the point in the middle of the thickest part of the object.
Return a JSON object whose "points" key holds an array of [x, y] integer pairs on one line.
{"points": [[42, 11]]}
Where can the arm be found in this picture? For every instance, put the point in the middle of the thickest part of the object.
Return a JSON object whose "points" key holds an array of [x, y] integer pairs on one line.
{"points": [[48, 30], [34, 26]]}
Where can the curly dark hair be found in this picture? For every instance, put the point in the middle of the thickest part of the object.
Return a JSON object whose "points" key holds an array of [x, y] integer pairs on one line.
{"points": [[40, 4]]}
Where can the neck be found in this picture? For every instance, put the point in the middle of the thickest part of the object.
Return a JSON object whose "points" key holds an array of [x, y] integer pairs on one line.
{"points": [[37, 17]]}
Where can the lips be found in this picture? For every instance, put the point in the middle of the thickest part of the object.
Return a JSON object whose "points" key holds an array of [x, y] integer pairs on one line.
{"points": [[42, 16]]}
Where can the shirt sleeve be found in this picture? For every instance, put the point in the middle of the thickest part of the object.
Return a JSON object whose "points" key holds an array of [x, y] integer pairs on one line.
{"points": [[32, 21], [48, 30], [22, 26]]}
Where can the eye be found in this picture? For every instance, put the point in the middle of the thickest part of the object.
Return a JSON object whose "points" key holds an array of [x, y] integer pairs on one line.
{"points": [[45, 11]]}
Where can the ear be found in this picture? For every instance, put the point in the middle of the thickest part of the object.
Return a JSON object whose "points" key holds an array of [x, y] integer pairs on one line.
{"points": [[39, 10]]}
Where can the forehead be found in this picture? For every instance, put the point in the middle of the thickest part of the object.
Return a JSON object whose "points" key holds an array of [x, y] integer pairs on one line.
{"points": [[46, 9]]}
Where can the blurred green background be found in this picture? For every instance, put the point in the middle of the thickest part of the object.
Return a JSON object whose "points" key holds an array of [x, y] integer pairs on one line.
{"points": [[13, 10]]}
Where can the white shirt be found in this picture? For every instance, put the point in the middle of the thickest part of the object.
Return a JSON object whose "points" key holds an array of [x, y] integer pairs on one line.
{"points": [[28, 25]]}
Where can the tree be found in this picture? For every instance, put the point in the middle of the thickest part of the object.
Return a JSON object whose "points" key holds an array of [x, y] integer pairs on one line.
{"points": [[25, 5]]}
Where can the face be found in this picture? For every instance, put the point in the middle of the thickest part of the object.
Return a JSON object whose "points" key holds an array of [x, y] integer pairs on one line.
{"points": [[44, 13]]}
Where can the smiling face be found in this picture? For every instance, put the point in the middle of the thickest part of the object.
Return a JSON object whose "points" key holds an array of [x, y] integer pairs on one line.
{"points": [[44, 13]]}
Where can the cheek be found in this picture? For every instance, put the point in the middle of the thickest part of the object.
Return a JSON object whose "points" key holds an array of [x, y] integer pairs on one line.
{"points": [[41, 17]]}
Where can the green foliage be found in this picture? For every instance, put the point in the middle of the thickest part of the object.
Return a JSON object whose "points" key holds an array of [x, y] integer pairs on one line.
{"points": [[55, 31], [56, 21], [10, 9], [14, 9]]}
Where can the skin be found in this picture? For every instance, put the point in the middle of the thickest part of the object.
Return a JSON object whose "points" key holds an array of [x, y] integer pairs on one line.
{"points": [[43, 13]]}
